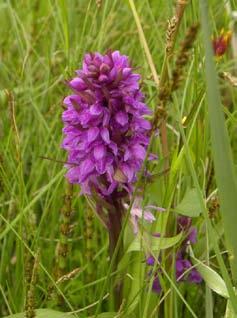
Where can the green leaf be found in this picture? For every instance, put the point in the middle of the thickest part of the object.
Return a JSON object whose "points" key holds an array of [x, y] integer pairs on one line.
{"points": [[212, 278], [222, 155], [150, 83], [49, 313], [229, 310], [106, 315], [155, 244], [221, 147], [190, 205], [45, 313]]}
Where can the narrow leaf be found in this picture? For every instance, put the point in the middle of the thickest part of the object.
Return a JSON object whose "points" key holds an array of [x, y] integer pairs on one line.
{"points": [[45, 313], [155, 244], [221, 149], [212, 278], [190, 205], [106, 315], [229, 310]]}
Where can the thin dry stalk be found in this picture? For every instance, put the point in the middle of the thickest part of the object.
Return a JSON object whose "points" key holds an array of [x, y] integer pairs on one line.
{"points": [[232, 80], [160, 113], [144, 43], [98, 3], [31, 277], [11, 102], [65, 231], [183, 57], [177, 75], [68, 276], [89, 242]]}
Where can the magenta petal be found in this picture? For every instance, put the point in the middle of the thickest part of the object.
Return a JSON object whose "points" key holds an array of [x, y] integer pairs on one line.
{"points": [[70, 100], [179, 265], [148, 216], [92, 134], [95, 109], [105, 135], [106, 117], [121, 118], [195, 277], [144, 123], [111, 188], [126, 72], [192, 236], [127, 154], [150, 260], [116, 56], [73, 174], [86, 167], [78, 84], [100, 166], [103, 78], [114, 148], [152, 157], [104, 68], [128, 171], [139, 152], [99, 152], [110, 173], [113, 74], [156, 286]]}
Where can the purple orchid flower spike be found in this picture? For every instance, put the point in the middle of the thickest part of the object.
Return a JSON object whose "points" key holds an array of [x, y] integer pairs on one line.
{"points": [[106, 136]]}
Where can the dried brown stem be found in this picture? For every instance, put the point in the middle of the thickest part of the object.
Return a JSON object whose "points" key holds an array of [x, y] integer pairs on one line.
{"points": [[89, 242], [31, 276], [171, 34], [65, 231], [183, 57], [11, 102]]}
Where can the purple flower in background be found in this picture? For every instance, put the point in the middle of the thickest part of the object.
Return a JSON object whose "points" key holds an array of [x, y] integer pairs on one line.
{"points": [[184, 269], [184, 224], [186, 272], [106, 136], [150, 260], [195, 277], [156, 287]]}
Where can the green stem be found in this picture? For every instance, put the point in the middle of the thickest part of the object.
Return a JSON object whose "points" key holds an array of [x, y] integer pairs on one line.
{"points": [[115, 227]]}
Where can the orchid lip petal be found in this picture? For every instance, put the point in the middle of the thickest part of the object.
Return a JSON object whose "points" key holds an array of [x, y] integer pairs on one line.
{"points": [[92, 134], [121, 118], [105, 135], [99, 152]]}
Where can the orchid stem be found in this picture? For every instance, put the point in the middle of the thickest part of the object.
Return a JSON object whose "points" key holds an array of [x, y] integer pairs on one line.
{"points": [[115, 226]]}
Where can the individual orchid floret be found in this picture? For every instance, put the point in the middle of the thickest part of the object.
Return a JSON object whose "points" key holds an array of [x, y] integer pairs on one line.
{"points": [[184, 224], [105, 132], [185, 270], [139, 213]]}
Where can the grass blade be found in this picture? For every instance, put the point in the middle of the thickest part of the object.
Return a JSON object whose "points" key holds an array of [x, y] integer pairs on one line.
{"points": [[223, 161]]}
